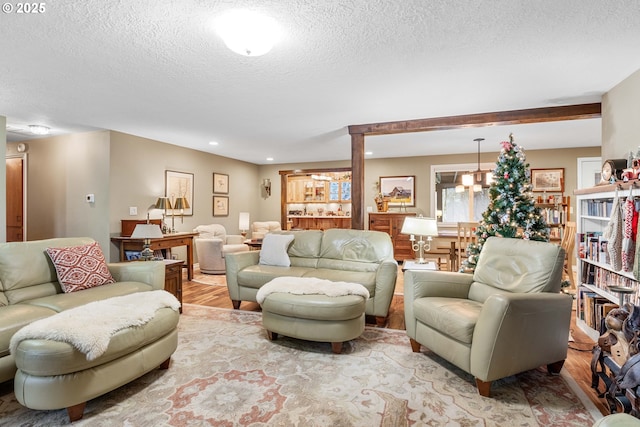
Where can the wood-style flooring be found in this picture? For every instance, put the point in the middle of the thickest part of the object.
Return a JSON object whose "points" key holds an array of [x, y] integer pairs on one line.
{"points": [[577, 363]]}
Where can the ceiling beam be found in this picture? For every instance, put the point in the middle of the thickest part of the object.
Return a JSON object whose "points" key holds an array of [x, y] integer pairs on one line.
{"points": [[514, 117]]}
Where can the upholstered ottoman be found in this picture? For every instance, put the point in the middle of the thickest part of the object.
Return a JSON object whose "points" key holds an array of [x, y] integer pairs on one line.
{"points": [[313, 309], [63, 361]]}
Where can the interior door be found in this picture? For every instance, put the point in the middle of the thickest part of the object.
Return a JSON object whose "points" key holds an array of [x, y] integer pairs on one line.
{"points": [[15, 199]]}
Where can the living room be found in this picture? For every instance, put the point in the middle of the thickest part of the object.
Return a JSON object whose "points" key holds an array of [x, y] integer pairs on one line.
{"points": [[124, 171]]}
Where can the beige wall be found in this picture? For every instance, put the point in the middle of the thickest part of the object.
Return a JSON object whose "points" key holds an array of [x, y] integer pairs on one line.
{"points": [[121, 171], [620, 119], [139, 183], [60, 172]]}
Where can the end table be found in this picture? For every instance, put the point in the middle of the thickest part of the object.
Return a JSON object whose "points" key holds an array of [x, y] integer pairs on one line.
{"points": [[173, 278]]}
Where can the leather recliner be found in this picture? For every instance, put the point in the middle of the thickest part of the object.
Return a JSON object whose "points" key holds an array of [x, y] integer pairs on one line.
{"points": [[212, 246], [505, 318]]}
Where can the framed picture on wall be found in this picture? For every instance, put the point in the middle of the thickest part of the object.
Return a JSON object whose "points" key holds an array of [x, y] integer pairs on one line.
{"points": [[220, 206], [179, 184], [401, 190], [551, 180], [220, 183]]}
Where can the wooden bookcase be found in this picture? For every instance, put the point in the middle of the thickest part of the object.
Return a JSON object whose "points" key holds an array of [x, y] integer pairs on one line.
{"points": [[556, 214]]}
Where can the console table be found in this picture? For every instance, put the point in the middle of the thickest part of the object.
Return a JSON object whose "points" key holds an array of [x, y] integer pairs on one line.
{"points": [[167, 242]]}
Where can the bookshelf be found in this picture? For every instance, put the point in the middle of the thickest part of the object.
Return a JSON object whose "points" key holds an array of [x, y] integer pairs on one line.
{"points": [[596, 277], [556, 213]]}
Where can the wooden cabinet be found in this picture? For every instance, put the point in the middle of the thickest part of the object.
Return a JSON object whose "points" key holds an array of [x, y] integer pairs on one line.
{"points": [[319, 223], [173, 278], [391, 223], [339, 191]]}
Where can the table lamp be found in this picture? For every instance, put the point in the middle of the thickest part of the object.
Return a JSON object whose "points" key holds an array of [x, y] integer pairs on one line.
{"points": [[165, 204], [147, 232], [420, 226], [180, 203], [243, 223]]}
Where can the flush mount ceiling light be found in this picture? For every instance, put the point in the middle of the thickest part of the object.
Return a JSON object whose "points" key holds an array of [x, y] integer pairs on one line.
{"points": [[39, 130], [247, 33]]}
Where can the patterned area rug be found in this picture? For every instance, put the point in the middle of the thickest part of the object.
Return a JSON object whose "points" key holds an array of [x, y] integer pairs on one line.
{"points": [[226, 373]]}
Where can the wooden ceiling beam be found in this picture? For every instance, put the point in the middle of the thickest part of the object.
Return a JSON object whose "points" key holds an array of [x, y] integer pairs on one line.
{"points": [[514, 117]]}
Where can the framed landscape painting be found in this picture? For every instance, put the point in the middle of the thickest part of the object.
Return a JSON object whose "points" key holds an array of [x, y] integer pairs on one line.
{"points": [[401, 190], [550, 180]]}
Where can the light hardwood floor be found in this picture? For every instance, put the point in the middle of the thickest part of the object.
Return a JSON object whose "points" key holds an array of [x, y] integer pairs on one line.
{"points": [[577, 363]]}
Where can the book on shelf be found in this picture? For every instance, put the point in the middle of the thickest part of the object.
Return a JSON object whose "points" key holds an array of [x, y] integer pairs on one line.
{"points": [[594, 309], [600, 208]]}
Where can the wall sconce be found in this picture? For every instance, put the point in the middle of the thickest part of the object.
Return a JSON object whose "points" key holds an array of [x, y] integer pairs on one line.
{"points": [[243, 223], [266, 184], [420, 226]]}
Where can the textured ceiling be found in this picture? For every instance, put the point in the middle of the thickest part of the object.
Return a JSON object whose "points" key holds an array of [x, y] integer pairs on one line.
{"points": [[157, 69]]}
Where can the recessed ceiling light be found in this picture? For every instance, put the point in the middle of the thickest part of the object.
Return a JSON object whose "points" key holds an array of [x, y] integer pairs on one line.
{"points": [[368, 153], [269, 159], [39, 130], [213, 142]]}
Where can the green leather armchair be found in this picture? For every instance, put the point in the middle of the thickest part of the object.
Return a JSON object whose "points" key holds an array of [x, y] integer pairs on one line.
{"points": [[508, 317]]}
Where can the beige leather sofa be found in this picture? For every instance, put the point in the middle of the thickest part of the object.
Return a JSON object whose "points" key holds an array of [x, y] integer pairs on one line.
{"points": [[359, 256], [212, 246], [29, 290], [505, 318]]}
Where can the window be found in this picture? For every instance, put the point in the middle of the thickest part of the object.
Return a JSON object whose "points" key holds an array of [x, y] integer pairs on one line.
{"points": [[453, 202]]}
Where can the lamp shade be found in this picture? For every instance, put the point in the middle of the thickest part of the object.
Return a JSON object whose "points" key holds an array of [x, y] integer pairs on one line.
{"points": [[147, 231], [243, 221], [181, 203], [467, 180], [420, 226], [163, 203]]}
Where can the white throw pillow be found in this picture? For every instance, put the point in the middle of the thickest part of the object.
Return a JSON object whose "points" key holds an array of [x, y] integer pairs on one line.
{"points": [[274, 250]]}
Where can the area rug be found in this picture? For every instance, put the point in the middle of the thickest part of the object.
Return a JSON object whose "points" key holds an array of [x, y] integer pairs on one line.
{"points": [[226, 373], [207, 279]]}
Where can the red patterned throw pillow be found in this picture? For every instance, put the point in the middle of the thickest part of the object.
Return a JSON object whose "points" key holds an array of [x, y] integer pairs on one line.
{"points": [[80, 267]]}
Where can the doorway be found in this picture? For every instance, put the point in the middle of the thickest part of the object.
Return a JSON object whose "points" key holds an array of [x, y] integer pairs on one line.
{"points": [[16, 169]]}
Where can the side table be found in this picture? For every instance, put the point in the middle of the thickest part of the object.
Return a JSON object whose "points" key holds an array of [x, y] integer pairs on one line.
{"points": [[414, 265], [173, 278]]}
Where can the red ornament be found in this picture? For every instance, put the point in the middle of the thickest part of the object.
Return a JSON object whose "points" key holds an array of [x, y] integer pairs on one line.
{"points": [[506, 175]]}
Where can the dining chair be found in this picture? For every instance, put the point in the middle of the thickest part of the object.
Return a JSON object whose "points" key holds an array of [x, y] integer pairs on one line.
{"points": [[466, 236]]}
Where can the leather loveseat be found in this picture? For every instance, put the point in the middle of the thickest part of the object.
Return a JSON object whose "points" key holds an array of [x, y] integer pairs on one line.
{"points": [[29, 289], [359, 256]]}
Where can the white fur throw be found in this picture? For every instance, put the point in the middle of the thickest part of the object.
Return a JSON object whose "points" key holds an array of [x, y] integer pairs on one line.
{"points": [[89, 327], [310, 286]]}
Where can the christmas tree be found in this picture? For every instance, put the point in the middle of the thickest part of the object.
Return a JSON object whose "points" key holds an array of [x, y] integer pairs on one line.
{"points": [[512, 211]]}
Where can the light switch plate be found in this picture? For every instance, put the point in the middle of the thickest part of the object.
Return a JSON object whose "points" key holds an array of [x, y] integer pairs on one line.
{"points": [[133, 210]]}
